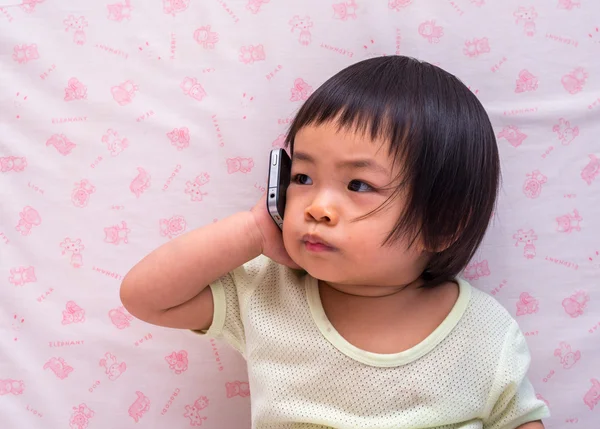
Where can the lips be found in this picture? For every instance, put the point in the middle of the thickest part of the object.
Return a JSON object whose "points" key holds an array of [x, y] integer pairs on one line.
{"points": [[315, 243]]}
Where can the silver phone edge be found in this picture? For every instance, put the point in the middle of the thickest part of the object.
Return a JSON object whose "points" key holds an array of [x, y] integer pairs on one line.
{"points": [[272, 202], [272, 205]]}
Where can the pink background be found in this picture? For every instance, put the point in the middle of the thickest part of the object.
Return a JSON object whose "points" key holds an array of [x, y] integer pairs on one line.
{"points": [[124, 124]]}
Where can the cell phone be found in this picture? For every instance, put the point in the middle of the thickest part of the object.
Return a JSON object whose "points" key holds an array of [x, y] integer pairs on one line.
{"points": [[280, 166]]}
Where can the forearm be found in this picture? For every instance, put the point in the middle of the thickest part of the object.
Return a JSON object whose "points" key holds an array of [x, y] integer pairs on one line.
{"points": [[179, 270]]}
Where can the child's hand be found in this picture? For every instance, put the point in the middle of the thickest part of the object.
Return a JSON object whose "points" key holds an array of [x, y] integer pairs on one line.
{"points": [[272, 240]]}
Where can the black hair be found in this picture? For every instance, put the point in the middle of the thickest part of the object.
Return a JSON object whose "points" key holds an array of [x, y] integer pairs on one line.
{"points": [[440, 137]]}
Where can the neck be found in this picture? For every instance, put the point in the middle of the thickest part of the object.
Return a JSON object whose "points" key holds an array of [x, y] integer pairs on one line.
{"points": [[369, 305], [370, 291]]}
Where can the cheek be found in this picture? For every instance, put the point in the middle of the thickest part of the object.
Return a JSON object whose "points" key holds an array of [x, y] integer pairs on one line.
{"points": [[293, 204], [363, 240], [287, 231], [291, 241], [368, 238], [290, 225]]}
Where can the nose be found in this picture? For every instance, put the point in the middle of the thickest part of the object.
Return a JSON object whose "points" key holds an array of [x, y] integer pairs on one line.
{"points": [[321, 211]]}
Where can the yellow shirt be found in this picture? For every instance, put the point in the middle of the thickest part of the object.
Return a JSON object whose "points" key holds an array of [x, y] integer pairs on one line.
{"points": [[469, 373]]}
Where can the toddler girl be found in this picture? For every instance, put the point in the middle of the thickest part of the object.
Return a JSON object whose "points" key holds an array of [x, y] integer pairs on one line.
{"points": [[355, 315]]}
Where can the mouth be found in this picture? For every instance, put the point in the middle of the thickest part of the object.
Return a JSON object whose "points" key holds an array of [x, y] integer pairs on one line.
{"points": [[313, 243]]}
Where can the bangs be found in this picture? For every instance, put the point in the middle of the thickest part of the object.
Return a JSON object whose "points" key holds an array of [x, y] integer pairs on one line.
{"points": [[367, 99]]}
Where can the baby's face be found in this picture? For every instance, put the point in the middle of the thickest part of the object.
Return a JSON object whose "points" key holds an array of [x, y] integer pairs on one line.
{"points": [[336, 178]]}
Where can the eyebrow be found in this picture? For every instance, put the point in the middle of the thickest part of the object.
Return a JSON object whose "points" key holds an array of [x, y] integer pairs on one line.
{"points": [[363, 163]]}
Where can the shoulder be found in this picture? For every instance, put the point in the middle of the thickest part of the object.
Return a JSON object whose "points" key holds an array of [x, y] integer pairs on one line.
{"points": [[482, 303], [488, 318], [490, 338], [255, 266]]}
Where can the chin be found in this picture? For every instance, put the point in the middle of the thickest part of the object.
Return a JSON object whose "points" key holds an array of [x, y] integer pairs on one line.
{"points": [[327, 271]]}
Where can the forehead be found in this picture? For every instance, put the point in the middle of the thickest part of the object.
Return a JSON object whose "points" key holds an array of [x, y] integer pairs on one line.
{"points": [[329, 142]]}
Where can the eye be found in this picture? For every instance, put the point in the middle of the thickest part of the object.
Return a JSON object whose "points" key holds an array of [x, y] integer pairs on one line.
{"points": [[359, 186], [302, 179]]}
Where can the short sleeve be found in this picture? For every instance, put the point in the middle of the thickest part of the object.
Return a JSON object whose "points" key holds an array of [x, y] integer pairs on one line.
{"points": [[231, 293], [512, 400]]}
